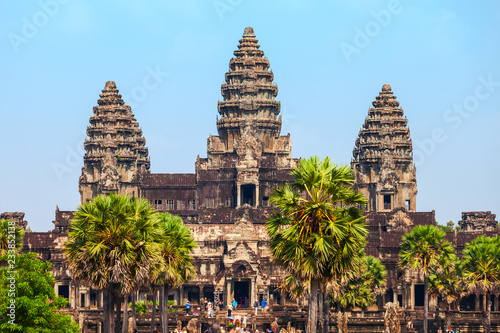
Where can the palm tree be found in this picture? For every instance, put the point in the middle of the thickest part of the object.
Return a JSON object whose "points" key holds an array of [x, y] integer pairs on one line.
{"points": [[318, 228], [481, 269], [111, 246], [360, 288], [10, 234], [422, 250], [447, 283], [177, 244]]}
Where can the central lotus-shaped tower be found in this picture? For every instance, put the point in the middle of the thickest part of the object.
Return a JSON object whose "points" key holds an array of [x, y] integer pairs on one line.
{"points": [[249, 146]]}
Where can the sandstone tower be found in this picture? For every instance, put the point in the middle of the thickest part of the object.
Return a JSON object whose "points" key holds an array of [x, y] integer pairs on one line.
{"points": [[383, 159], [249, 145], [116, 156]]}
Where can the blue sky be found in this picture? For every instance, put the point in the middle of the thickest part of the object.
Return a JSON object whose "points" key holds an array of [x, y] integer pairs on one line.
{"points": [[330, 60]]}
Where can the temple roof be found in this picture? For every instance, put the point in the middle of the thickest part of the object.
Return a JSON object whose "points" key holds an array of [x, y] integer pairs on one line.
{"points": [[248, 90], [114, 132], [385, 134]]}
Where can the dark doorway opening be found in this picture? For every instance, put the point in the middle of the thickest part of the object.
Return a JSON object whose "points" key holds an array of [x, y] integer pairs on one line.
{"points": [[209, 293], [193, 296], [93, 297], [468, 303], [387, 201], [276, 295], [419, 295], [63, 291], [248, 193], [389, 296], [242, 293], [400, 300]]}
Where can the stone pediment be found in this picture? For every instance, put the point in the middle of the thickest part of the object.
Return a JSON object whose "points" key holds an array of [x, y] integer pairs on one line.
{"points": [[400, 221], [240, 252]]}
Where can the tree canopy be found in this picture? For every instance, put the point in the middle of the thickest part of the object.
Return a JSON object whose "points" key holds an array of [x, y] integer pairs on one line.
{"points": [[32, 306]]}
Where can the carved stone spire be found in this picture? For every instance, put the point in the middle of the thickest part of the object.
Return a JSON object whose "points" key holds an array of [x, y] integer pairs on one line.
{"points": [[382, 156], [116, 154], [249, 124], [249, 96]]}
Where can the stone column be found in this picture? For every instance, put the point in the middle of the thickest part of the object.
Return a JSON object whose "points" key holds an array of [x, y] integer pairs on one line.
{"points": [[238, 194], [177, 297], [99, 327], [101, 298], [78, 297], [495, 298], [181, 294], [253, 291], [477, 306], [412, 296], [72, 292], [257, 198], [202, 296], [87, 299], [229, 292]]}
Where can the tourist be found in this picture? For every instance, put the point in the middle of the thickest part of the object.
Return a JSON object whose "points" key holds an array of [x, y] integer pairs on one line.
{"points": [[188, 305], [234, 304], [210, 309], [214, 329], [184, 330], [229, 312], [263, 305], [244, 322], [440, 330], [205, 303], [246, 302], [256, 306]]}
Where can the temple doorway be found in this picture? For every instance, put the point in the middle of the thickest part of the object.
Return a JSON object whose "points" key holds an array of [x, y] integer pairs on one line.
{"points": [[242, 293], [248, 194]]}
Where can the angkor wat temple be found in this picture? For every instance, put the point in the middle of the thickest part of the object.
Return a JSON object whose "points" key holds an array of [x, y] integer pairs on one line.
{"points": [[225, 202]]}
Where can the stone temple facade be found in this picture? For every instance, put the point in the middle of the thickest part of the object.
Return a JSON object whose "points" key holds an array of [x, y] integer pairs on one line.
{"points": [[225, 202]]}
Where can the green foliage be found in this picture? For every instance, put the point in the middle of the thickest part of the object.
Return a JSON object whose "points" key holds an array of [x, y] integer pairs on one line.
{"points": [[11, 237], [446, 281], [424, 248], [176, 247], [481, 264], [445, 228], [318, 228], [170, 303], [361, 289], [140, 307], [113, 240], [36, 304]]}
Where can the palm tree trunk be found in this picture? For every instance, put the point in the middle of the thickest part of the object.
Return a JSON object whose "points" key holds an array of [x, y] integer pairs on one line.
{"points": [[488, 314], [320, 310], [160, 303], [326, 308], [164, 319], [125, 315], [312, 316], [153, 316], [118, 303], [134, 318], [109, 303], [448, 317], [426, 301]]}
